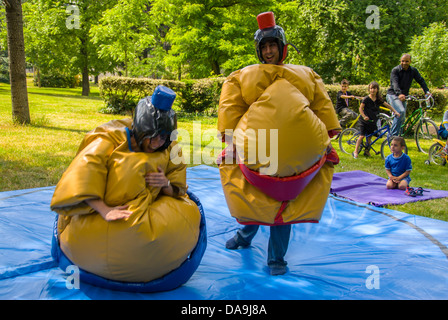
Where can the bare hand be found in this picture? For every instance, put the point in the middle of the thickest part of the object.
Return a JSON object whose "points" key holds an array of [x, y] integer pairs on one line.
{"points": [[394, 179], [157, 179], [109, 213], [116, 213], [402, 97]]}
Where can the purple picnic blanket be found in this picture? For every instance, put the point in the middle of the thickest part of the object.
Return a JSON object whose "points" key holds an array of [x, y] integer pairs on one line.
{"points": [[368, 188]]}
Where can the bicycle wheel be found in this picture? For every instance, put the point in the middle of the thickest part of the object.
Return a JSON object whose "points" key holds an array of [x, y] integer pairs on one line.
{"points": [[384, 119], [347, 140], [425, 133], [435, 155], [385, 149]]}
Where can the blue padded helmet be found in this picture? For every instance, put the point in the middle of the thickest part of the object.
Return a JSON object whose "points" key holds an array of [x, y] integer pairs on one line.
{"points": [[153, 116]]}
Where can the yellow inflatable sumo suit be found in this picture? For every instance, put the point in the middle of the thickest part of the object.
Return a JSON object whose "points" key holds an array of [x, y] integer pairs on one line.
{"points": [[278, 165], [154, 240]]}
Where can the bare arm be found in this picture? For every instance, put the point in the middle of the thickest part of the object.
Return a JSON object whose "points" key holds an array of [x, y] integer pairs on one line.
{"points": [[361, 111], [109, 213]]}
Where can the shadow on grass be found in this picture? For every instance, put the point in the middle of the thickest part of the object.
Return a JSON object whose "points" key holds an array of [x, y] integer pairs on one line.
{"points": [[94, 96], [43, 126]]}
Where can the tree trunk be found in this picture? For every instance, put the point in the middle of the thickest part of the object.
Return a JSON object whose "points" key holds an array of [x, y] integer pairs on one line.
{"points": [[16, 52], [215, 67], [85, 81], [85, 67]]}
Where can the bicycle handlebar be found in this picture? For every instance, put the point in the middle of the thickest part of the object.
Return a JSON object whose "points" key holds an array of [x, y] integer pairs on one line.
{"points": [[429, 100]]}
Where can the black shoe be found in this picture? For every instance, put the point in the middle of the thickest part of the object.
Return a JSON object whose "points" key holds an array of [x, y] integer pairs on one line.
{"points": [[277, 269], [233, 244]]}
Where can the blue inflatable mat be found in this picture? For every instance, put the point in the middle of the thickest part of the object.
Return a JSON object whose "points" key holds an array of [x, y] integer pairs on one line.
{"points": [[357, 251]]}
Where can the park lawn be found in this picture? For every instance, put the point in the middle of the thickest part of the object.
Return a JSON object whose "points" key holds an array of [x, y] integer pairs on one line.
{"points": [[36, 155]]}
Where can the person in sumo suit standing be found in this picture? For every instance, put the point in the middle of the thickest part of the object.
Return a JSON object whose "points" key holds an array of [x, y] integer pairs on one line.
{"points": [[263, 89]]}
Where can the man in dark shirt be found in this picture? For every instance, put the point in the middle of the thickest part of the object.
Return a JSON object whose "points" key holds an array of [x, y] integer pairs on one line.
{"points": [[400, 82]]}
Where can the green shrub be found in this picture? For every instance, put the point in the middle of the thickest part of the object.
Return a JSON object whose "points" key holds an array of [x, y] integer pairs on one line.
{"points": [[201, 96], [4, 66], [57, 81], [122, 94]]}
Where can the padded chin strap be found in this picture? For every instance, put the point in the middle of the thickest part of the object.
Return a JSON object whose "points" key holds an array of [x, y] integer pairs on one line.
{"points": [[285, 52]]}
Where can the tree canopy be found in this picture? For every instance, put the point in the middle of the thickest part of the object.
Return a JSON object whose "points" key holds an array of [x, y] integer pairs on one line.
{"points": [[358, 40]]}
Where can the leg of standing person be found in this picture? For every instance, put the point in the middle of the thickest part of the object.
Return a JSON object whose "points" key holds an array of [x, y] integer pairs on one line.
{"points": [[346, 115], [400, 106], [243, 237], [278, 245]]}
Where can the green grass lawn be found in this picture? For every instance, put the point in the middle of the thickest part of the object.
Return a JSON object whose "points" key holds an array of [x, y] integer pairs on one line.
{"points": [[36, 155]]}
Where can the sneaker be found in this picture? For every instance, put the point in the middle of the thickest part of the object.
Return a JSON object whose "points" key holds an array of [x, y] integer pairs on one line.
{"points": [[354, 156], [419, 191], [410, 192]]}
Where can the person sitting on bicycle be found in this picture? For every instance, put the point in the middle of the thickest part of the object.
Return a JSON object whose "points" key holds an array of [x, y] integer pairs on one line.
{"points": [[401, 78], [443, 131], [369, 109], [343, 104]]}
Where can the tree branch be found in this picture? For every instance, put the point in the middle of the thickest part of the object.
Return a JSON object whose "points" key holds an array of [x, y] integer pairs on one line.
{"points": [[7, 4]]}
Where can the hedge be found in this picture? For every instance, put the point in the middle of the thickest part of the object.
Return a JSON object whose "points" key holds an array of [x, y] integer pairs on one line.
{"points": [[57, 81], [121, 94]]}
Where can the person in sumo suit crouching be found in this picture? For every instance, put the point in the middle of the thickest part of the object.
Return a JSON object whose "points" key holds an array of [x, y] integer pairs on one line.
{"points": [[123, 209]]}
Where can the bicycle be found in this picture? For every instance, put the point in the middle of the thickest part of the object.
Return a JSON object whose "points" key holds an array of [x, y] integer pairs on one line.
{"points": [[382, 119], [351, 122], [425, 127], [348, 138], [436, 153]]}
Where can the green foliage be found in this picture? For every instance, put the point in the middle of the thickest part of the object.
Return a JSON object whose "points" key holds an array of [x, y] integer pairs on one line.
{"points": [[137, 32], [193, 39], [121, 94], [336, 39], [4, 67], [54, 45], [201, 96], [429, 51], [57, 81], [209, 37], [47, 44]]}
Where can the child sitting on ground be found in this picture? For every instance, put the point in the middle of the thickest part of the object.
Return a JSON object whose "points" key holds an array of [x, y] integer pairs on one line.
{"points": [[398, 165]]}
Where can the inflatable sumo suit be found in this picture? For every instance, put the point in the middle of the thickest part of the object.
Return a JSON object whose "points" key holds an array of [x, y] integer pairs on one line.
{"points": [[162, 242], [283, 111]]}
